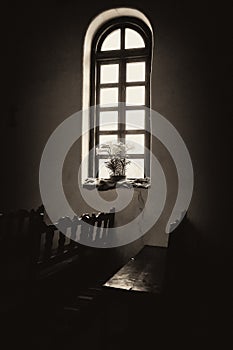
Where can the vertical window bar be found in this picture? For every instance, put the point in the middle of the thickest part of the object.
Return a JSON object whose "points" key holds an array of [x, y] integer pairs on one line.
{"points": [[147, 121], [93, 135], [122, 88], [96, 159]]}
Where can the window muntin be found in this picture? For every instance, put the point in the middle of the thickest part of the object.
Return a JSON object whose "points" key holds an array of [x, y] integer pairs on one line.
{"points": [[121, 73]]}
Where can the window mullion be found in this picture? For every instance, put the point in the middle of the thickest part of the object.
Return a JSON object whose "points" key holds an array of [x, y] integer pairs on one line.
{"points": [[147, 120], [96, 165], [122, 80]]}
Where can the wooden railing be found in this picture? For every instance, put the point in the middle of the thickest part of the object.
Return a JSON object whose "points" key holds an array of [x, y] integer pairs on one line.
{"points": [[50, 246]]}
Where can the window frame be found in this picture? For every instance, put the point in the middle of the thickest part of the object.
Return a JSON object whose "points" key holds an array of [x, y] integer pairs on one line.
{"points": [[121, 57]]}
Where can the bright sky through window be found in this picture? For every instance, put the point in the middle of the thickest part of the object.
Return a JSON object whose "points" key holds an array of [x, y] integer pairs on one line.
{"points": [[133, 40], [112, 42]]}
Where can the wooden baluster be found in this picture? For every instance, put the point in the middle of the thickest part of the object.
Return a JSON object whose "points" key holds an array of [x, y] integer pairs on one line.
{"points": [[105, 225], [108, 223], [92, 226], [73, 236], [111, 218], [69, 225], [61, 243], [85, 229], [61, 225], [99, 224], [48, 242], [34, 239]]}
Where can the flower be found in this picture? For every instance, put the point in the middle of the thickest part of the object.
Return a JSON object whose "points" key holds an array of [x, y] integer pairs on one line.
{"points": [[117, 154]]}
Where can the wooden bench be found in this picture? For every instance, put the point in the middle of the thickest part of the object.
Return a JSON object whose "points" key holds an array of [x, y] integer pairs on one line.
{"points": [[47, 248], [57, 246]]}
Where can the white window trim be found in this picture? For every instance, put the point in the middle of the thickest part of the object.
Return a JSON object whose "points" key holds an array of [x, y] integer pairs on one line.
{"points": [[92, 29]]}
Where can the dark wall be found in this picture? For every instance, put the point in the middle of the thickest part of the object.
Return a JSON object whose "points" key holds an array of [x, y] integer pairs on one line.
{"points": [[42, 85]]}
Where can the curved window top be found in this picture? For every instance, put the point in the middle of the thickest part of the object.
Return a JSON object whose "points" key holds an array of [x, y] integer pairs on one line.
{"points": [[126, 33], [132, 40]]}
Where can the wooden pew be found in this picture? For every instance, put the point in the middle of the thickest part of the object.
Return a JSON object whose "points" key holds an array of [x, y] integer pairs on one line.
{"points": [[31, 248], [43, 266], [55, 247]]}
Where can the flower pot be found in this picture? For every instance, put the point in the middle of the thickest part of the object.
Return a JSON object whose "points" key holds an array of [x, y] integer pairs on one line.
{"points": [[116, 178]]}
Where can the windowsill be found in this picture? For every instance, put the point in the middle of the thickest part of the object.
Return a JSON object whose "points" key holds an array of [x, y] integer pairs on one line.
{"points": [[107, 184]]}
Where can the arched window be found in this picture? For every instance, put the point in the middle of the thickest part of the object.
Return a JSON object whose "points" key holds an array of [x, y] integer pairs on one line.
{"points": [[120, 69]]}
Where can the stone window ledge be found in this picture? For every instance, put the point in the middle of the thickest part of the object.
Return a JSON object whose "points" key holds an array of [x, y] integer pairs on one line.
{"points": [[107, 184]]}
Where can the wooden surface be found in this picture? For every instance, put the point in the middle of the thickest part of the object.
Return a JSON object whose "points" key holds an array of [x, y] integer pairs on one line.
{"points": [[143, 273]]}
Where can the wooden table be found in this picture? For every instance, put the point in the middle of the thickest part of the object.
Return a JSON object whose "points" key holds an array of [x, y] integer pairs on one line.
{"points": [[143, 273]]}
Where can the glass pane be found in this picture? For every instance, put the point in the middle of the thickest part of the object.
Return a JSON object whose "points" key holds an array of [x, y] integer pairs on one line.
{"points": [[109, 96], [135, 71], [109, 73], [103, 171], [135, 120], [133, 39], [112, 41], [136, 143], [135, 169], [106, 139], [108, 120], [135, 95]]}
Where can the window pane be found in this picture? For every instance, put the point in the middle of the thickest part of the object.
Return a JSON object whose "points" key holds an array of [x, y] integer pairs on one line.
{"points": [[109, 96], [108, 120], [133, 40], [112, 41], [106, 139], [135, 95], [109, 73], [136, 168], [135, 120], [136, 143], [103, 171], [135, 71]]}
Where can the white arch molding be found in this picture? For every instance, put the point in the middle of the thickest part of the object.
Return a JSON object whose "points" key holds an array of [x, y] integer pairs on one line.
{"points": [[92, 29]]}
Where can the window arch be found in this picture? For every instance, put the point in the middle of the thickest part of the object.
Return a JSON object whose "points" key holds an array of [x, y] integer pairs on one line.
{"points": [[120, 68]]}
